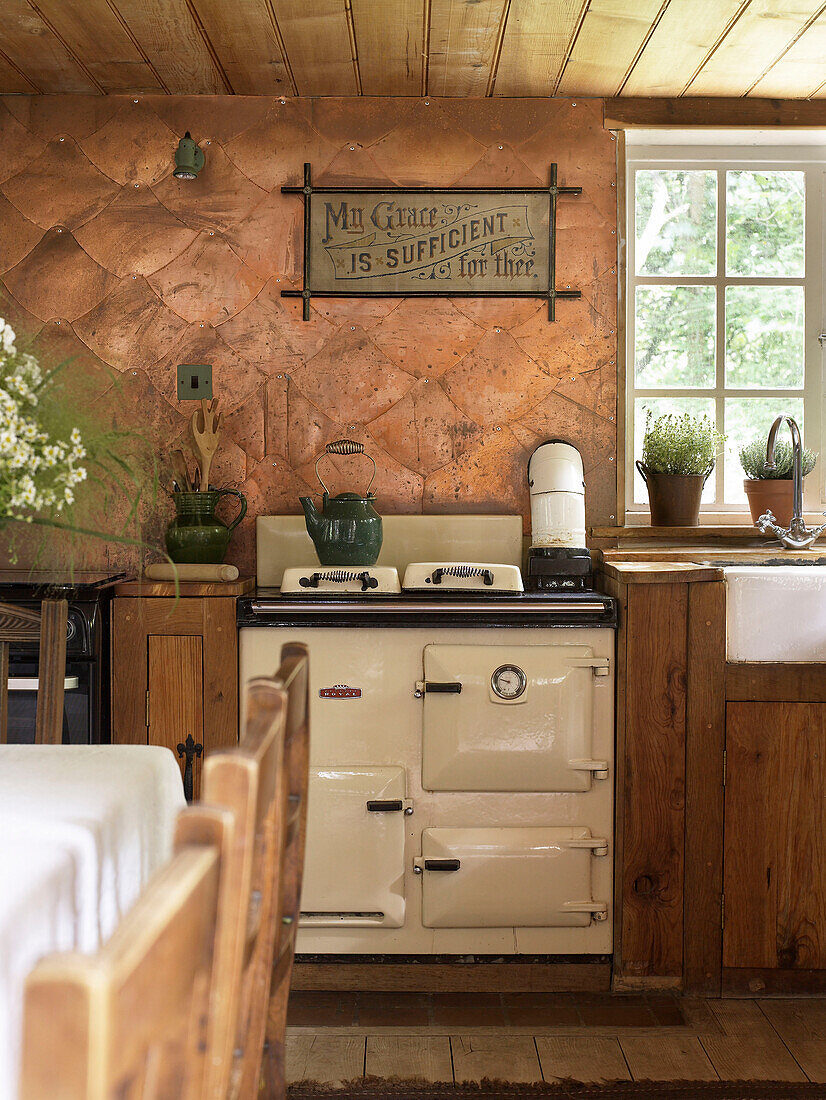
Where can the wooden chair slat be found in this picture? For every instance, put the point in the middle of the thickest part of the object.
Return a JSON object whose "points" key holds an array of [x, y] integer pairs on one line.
{"points": [[294, 676], [130, 1020], [247, 781]]}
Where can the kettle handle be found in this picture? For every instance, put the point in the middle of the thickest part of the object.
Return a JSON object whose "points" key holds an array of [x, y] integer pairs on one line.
{"points": [[344, 447], [242, 512]]}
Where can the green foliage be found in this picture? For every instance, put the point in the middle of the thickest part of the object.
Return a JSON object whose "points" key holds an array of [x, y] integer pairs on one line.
{"points": [[64, 465], [753, 459], [684, 445]]}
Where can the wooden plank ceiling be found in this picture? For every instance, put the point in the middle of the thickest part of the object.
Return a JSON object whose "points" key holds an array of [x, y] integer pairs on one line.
{"points": [[761, 48]]}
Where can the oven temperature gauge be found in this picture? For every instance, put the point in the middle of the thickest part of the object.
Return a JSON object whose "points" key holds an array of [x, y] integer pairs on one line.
{"points": [[508, 682]]}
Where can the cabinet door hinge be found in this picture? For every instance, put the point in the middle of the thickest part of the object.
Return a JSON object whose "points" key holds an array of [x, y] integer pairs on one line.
{"points": [[725, 765], [147, 708], [722, 910]]}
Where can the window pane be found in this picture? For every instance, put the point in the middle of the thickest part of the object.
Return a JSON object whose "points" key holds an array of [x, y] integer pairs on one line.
{"points": [[676, 223], [674, 336], [764, 337], [765, 223], [749, 418], [698, 406]]}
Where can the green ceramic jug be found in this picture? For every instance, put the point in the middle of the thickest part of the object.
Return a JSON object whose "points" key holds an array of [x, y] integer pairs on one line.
{"points": [[347, 530], [196, 536]]}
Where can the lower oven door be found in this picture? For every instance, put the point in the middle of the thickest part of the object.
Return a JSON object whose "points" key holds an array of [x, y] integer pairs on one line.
{"points": [[354, 870], [510, 878], [77, 702]]}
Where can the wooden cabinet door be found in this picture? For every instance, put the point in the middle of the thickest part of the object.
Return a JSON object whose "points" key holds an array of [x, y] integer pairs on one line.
{"points": [[175, 702], [775, 836]]}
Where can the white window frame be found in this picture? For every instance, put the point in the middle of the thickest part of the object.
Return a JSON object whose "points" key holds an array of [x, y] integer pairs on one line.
{"points": [[810, 159]]}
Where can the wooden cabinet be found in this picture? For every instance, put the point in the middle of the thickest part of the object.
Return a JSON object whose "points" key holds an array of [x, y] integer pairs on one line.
{"points": [[175, 671], [775, 835], [721, 815]]}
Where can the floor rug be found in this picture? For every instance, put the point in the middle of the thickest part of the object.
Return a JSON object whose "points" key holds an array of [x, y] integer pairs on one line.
{"points": [[373, 1088]]}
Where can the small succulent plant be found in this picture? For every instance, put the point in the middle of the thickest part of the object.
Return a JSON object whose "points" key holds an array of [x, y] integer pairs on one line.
{"points": [[686, 445], [753, 459]]}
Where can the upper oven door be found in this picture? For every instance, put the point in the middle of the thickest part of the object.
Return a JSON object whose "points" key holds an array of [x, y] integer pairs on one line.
{"points": [[510, 717]]}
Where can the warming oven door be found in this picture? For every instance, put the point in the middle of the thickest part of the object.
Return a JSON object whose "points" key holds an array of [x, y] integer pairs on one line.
{"points": [[510, 878], [354, 874], [510, 717]]}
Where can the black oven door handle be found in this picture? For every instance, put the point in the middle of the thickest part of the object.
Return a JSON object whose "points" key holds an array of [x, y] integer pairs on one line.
{"points": [[32, 683]]}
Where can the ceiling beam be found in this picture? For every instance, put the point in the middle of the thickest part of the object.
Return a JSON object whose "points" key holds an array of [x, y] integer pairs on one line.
{"points": [[626, 112]]}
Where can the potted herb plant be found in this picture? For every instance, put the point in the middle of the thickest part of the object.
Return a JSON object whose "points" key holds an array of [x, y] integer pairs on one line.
{"points": [[678, 454], [771, 489]]}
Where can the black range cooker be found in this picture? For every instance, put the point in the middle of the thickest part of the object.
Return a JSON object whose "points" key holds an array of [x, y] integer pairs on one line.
{"points": [[86, 705]]}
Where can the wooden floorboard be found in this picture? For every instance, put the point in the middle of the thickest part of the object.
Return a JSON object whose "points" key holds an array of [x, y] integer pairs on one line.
{"points": [[581, 1058], [801, 1024], [328, 1059], [410, 1057], [667, 1057], [500, 1057], [749, 1048], [733, 1039]]}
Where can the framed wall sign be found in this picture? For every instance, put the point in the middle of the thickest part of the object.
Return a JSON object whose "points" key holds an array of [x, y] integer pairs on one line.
{"points": [[372, 242]]}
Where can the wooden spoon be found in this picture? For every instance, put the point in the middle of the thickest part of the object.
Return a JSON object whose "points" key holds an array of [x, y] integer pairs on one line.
{"points": [[206, 428]]}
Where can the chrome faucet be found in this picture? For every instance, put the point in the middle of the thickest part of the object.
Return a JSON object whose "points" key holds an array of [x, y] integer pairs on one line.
{"points": [[797, 536]]}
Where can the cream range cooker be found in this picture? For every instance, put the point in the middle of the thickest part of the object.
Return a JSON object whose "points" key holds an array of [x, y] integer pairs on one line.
{"points": [[462, 737]]}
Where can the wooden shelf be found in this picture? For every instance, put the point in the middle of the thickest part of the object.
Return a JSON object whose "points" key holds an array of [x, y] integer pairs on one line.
{"points": [[185, 589]]}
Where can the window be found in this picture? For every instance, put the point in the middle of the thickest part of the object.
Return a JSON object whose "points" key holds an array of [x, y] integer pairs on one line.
{"points": [[725, 299]]}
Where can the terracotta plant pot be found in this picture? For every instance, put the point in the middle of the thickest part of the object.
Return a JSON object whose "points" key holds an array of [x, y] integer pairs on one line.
{"points": [[774, 494], [674, 499]]}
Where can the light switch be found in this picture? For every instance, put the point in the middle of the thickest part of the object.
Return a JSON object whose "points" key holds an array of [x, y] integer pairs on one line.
{"points": [[194, 382]]}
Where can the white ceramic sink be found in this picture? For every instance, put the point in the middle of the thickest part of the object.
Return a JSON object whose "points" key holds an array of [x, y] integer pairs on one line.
{"points": [[776, 613]]}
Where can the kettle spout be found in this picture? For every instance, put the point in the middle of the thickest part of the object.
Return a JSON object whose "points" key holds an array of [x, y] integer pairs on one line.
{"points": [[311, 515]]}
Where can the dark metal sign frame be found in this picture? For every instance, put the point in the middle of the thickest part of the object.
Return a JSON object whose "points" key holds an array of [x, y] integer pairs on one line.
{"points": [[553, 191]]}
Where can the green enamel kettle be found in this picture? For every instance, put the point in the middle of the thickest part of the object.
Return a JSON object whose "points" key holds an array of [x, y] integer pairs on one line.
{"points": [[347, 530]]}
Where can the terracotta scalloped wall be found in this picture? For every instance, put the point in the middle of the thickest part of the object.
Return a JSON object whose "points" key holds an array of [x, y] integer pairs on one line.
{"points": [[114, 261]]}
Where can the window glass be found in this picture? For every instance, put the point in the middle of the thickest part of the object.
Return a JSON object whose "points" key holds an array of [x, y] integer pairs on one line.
{"points": [[674, 336], [765, 214], [676, 222], [764, 337]]}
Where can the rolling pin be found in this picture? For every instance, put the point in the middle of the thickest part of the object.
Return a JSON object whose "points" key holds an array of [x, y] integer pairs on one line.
{"points": [[163, 571]]}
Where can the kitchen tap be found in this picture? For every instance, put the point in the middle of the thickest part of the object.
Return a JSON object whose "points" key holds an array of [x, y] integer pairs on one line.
{"points": [[797, 536]]}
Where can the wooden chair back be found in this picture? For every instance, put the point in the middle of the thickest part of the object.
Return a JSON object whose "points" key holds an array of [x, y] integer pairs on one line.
{"points": [[47, 627], [129, 1023], [246, 781], [294, 676]]}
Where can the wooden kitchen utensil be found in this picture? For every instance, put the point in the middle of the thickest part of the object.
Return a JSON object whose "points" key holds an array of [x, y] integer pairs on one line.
{"points": [[206, 428]]}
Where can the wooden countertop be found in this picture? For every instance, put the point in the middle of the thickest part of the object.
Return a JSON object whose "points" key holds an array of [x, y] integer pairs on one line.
{"points": [[658, 572], [198, 589], [668, 564]]}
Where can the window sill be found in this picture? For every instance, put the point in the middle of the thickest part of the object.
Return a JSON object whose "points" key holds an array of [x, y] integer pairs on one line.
{"points": [[743, 532]]}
